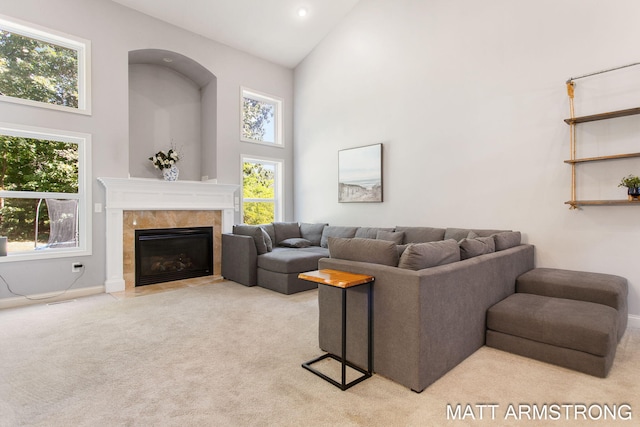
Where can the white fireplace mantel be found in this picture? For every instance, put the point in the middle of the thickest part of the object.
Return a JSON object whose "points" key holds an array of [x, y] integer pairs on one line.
{"points": [[151, 194]]}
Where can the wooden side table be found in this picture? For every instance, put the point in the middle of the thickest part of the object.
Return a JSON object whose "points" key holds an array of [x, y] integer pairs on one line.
{"points": [[343, 280]]}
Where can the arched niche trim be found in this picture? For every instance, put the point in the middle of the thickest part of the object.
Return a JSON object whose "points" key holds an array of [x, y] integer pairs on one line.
{"points": [[156, 78]]}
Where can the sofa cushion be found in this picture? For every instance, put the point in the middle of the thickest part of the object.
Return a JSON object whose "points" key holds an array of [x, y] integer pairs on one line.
{"points": [[270, 231], [460, 233], [312, 232], [336, 231], [429, 254], [364, 250], [369, 232], [286, 260], [392, 236], [285, 230], [295, 242], [255, 232], [421, 234], [470, 248], [507, 239], [577, 325]]}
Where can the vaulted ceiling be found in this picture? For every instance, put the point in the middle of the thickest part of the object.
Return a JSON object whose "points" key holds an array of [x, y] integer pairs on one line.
{"points": [[269, 29]]}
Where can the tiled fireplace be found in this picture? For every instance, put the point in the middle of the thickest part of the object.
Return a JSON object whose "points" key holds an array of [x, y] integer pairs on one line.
{"points": [[144, 220], [146, 203]]}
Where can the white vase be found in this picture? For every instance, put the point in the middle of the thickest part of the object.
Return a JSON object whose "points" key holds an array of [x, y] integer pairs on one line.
{"points": [[171, 174]]}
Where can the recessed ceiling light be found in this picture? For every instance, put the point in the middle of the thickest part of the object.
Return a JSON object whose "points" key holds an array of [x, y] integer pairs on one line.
{"points": [[302, 12], [167, 59]]}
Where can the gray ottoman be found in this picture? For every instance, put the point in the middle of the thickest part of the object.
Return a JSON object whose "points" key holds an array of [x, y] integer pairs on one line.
{"points": [[577, 335], [599, 288], [569, 318]]}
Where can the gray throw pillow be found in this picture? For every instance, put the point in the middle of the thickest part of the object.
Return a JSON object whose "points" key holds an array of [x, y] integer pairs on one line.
{"points": [[402, 248], [285, 230], [270, 231], [457, 234], [430, 254], [336, 231], [470, 248], [363, 250], [267, 240], [460, 233], [471, 235], [507, 239], [391, 236], [295, 242], [255, 232], [312, 232]]}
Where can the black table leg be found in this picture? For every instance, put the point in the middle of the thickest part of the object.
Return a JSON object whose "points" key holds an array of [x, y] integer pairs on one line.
{"points": [[343, 385]]}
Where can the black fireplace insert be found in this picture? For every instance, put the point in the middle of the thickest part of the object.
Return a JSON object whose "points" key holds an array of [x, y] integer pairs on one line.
{"points": [[164, 255]]}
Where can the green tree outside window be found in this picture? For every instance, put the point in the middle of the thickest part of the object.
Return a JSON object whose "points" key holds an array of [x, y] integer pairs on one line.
{"points": [[258, 191], [38, 71], [28, 164]]}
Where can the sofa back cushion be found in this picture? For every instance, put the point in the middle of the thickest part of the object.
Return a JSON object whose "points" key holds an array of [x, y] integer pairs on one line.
{"points": [[393, 236], [369, 232], [285, 230], [364, 250], [336, 231], [429, 254], [312, 232], [421, 234], [254, 231]]}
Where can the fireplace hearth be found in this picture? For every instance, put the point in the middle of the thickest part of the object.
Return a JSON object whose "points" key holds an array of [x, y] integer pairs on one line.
{"points": [[168, 254]]}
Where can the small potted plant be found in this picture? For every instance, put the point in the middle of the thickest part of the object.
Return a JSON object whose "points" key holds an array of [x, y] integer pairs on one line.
{"points": [[166, 162], [632, 183]]}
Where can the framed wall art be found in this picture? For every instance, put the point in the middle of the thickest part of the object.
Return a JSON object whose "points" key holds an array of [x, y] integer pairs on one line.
{"points": [[360, 174]]}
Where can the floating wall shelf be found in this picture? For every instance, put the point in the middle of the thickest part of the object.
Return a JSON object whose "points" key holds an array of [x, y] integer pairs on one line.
{"points": [[574, 161]]}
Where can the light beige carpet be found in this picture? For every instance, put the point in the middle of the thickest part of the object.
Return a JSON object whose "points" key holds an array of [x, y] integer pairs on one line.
{"points": [[228, 355]]}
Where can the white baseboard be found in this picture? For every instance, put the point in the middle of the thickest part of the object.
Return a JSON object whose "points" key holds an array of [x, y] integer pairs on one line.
{"points": [[50, 297], [634, 321]]}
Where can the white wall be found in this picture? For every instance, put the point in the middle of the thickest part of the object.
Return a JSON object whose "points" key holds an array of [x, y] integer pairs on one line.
{"points": [[468, 99], [114, 31]]}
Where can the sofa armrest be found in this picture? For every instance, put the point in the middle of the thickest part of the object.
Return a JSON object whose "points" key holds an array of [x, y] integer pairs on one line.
{"points": [[239, 259]]}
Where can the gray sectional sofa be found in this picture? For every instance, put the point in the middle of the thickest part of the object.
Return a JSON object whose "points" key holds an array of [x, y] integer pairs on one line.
{"points": [[438, 296]]}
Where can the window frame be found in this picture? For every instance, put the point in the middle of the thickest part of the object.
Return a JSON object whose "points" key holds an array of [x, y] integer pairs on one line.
{"points": [[80, 45], [278, 191], [277, 102], [83, 195]]}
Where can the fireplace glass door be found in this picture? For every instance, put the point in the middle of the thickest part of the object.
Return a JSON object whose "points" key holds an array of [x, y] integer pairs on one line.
{"points": [[164, 255]]}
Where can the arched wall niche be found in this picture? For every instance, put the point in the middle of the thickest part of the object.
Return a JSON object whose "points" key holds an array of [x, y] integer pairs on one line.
{"points": [[172, 101]]}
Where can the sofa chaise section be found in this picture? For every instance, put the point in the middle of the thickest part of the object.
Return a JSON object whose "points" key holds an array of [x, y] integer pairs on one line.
{"points": [[278, 270]]}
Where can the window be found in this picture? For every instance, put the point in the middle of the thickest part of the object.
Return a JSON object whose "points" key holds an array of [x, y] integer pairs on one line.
{"points": [[44, 192], [261, 119], [42, 68], [261, 190]]}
